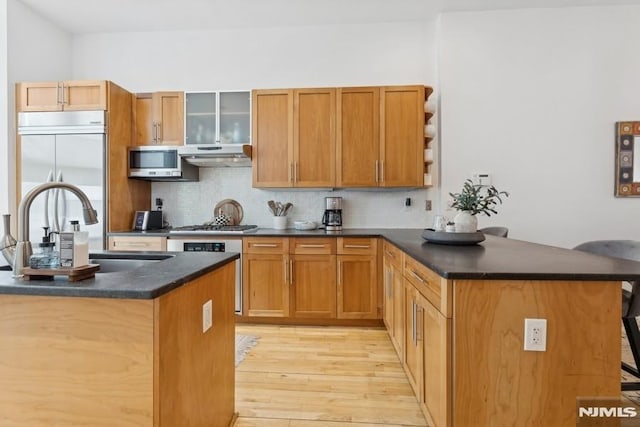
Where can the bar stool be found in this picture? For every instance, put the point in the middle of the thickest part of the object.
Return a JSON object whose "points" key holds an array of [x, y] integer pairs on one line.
{"points": [[625, 249]]}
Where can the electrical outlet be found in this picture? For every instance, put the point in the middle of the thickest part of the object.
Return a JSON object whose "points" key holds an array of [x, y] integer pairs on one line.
{"points": [[535, 334], [427, 205], [207, 316]]}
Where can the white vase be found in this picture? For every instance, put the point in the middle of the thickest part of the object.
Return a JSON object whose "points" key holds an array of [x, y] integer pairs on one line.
{"points": [[465, 222]]}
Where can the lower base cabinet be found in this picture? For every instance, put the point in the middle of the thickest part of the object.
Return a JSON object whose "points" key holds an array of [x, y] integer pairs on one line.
{"points": [[310, 279]]}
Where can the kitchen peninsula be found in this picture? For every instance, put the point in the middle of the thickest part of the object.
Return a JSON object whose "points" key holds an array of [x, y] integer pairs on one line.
{"points": [[123, 348], [456, 314]]}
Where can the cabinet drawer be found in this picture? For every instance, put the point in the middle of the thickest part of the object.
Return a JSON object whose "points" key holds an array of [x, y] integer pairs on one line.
{"points": [[426, 281], [392, 253], [128, 243], [265, 245], [313, 245], [357, 246]]}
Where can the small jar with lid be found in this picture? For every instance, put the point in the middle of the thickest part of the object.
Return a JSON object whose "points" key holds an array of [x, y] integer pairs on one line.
{"points": [[45, 255]]}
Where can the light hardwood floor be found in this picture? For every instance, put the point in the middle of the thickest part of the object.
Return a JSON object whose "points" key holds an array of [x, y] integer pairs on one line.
{"points": [[303, 376]]}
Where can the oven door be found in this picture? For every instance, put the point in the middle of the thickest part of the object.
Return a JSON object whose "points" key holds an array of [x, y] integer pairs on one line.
{"points": [[211, 245]]}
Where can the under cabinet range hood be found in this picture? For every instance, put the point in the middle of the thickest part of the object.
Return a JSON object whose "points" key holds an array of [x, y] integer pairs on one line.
{"points": [[217, 155]]}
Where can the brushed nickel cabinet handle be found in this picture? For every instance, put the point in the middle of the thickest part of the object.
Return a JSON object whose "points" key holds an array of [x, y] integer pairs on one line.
{"points": [[63, 100], [311, 246], [417, 276], [414, 314], [265, 245], [159, 133], [377, 171], [291, 172], [357, 246], [419, 322], [291, 272], [286, 274], [382, 171], [296, 178]]}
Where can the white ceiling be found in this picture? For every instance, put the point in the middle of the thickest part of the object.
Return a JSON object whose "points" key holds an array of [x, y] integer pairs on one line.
{"points": [[91, 16]]}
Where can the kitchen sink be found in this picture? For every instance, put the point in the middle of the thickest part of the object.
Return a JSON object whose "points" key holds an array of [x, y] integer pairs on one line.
{"points": [[113, 263]]}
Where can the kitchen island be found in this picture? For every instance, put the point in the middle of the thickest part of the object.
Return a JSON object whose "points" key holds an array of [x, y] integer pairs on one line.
{"points": [[456, 316], [123, 348]]}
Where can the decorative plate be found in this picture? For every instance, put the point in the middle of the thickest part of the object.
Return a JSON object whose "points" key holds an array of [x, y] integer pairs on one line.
{"points": [[449, 238], [230, 208]]}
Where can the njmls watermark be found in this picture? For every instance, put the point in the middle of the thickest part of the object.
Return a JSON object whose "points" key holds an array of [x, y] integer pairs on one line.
{"points": [[607, 412]]}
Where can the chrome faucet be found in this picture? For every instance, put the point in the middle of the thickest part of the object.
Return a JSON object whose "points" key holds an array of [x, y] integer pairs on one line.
{"points": [[23, 247]]}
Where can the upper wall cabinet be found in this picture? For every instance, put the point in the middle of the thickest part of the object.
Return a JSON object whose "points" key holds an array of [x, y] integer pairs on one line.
{"points": [[402, 141], [62, 95], [344, 137], [294, 138], [218, 117], [159, 118]]}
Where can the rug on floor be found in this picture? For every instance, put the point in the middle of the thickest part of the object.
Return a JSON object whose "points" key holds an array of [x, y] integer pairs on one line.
{"points": [[244, 343]]}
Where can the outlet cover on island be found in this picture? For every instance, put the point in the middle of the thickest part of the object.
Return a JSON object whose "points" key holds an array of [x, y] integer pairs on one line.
{"points": [[535, 334], [207, 316]]}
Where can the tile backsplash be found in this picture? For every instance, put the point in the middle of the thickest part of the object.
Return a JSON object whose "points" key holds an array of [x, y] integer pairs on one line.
{"points": [[188, 203]]}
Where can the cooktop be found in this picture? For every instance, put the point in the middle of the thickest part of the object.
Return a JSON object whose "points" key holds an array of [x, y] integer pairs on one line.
{"points": [[213, 229]]}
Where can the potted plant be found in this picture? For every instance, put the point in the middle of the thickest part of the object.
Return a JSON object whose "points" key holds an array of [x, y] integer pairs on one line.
{"points": [[472, 200]]}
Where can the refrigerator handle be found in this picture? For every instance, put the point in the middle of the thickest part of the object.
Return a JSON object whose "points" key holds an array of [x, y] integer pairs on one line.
{"points": [[46, 202], [60, 195]]}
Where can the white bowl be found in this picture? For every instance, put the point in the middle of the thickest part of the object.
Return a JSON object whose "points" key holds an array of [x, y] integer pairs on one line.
{"points": [[304, 225]]}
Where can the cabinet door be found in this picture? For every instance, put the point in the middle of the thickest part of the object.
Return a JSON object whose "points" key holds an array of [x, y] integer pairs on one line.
{"points": [[200, 118], [314, 138], [235, 117], [313, 286], [84, 95], [413, 345], [357, 287], [358, 137], [265, 281], [272, 118], [168, 116], [402, 136], [145, 130], [39, 96], [437, 366]]}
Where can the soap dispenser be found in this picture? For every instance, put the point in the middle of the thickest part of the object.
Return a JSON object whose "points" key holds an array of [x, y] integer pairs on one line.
{"points": [[46, 255]]}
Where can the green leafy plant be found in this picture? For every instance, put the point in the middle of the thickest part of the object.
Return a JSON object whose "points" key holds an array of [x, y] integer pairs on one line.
{"points": [[477, 198]]}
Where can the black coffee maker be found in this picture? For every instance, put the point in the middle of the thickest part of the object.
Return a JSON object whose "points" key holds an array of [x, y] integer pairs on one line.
{"points": [[332, 218]]}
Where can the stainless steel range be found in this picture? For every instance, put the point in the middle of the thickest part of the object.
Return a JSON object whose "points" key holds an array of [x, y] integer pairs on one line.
{"points": [[200, 241]]}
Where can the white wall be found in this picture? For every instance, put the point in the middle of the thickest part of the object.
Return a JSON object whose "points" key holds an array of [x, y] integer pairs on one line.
{"points": [[35, 50], [336, 55], [531, 96]]}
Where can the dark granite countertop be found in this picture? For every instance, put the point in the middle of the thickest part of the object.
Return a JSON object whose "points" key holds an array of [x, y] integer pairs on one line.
{"points": [[146, 282], [495, 258]]}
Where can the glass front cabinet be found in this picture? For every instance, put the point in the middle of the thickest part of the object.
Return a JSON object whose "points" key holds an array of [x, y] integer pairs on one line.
{"points": [[222, 117]]}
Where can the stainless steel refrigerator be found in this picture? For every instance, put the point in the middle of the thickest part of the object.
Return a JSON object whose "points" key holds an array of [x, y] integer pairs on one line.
{"points": [[66, 146]]}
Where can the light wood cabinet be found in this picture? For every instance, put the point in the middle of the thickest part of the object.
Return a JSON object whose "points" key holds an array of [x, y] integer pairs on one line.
{"points": [[62, 95], [272, 131], [159, 118], [341, 137], [413, 345], [313, 286], [402, 136], [394, 296], [294, 138], [314, 145], [436, 397], [303, 278], [137, 243], [265, 277], [357, 275], [358, 137]]}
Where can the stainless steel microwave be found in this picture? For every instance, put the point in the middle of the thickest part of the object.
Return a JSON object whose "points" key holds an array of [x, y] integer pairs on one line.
{"points": [[159, 163]]}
